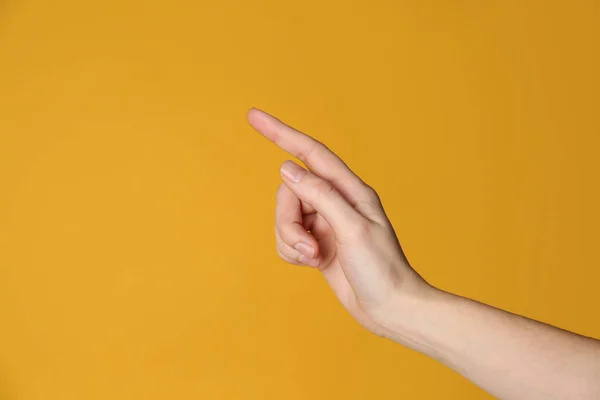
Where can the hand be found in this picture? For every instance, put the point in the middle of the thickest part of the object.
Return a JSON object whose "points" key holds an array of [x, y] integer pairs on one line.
{"points": [[328, 218]]}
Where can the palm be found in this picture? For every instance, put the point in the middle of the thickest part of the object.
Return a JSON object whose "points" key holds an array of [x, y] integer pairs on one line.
{"points": [[331, 266]]}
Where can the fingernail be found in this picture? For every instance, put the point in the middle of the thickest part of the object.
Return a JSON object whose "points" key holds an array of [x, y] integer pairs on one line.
{"points": [[305, 249], [313, 262], [292, 171]]}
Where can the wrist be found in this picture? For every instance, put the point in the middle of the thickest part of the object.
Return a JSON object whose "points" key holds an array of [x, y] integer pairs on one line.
{"points": [[410, 315]]}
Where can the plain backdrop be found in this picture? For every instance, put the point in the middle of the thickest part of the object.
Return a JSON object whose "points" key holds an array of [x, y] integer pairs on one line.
{"points": [[137, 258]]}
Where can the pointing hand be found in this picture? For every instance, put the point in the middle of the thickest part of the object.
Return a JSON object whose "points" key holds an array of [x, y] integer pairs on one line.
{"points": [[326, 217]]}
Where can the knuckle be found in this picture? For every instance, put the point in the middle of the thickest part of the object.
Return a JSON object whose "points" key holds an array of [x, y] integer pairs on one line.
{"points": [[322, 147], [278, 239], [281, 255], [284, 235], [368, 196], [324, 189], [371, 194], [304, 154]]}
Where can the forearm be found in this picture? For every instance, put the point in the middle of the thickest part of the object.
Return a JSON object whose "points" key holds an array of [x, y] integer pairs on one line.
{"points": [[507, 355]]}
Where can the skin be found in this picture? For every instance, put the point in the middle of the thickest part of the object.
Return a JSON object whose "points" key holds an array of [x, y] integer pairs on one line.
{"points": [[327, 218]]}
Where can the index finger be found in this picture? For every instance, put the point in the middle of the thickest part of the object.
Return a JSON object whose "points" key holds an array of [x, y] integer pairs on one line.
{"points": [[314, 154]]}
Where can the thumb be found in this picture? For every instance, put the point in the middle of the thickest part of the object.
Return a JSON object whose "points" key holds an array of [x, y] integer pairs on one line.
{"points": [[324, 197]]}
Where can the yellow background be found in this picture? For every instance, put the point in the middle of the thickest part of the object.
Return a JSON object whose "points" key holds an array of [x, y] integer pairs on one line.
{"points": [[136, 205]]}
